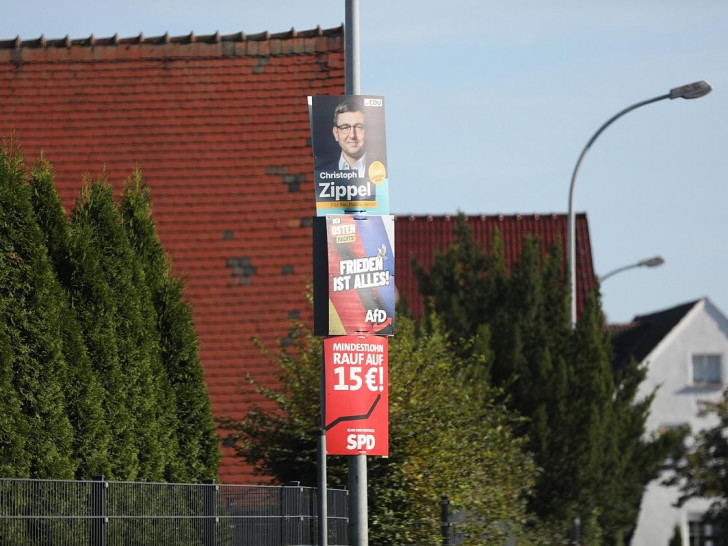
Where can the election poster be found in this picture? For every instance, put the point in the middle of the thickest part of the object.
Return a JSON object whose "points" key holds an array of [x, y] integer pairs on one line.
{"points": [[354, 281], [350, 154], [356, 402]]}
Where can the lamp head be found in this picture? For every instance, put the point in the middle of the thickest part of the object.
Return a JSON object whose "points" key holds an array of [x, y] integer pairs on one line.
{"points": [[652, 262], [691, 90]]}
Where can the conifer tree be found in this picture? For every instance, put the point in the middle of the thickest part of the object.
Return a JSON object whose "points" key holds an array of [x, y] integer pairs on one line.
{"points": [[84, 392], [95, 328], [95, 307], [676, 539], [586, 434], [14, 456], [582, 420], [457, 289], [104, 251], [198, 443], [31, 338]]}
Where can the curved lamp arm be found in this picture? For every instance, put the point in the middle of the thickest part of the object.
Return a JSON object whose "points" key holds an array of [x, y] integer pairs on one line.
{"points": [[649, 262], [689, 91]]}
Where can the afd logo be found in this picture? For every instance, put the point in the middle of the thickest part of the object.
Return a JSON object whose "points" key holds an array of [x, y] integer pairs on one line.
{"points": [[375, 315], [373, 102]]}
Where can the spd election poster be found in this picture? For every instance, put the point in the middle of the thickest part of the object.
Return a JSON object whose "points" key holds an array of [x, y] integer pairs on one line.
{"points": [[350, 154], [354, 281], [356, 403]]}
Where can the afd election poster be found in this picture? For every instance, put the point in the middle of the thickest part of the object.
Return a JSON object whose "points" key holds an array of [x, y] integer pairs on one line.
{"points": [[350, 154], [356, 402], [354, 282]]}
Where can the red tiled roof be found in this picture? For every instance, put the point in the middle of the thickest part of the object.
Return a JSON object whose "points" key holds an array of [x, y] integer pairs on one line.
{"points": [[419, 236], [219, 125]]}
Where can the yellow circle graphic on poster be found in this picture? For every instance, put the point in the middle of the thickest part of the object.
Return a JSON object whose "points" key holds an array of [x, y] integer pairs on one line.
{"points": [[377, 172]]}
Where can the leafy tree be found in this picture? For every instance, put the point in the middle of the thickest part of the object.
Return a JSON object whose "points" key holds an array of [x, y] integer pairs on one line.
{"points": [[446, 439], [199, 455], [700, 470], [584, 425], [31, 301]]}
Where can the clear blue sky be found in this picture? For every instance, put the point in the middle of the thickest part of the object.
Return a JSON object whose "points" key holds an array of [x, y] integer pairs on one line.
{"points": [[489, 105]]}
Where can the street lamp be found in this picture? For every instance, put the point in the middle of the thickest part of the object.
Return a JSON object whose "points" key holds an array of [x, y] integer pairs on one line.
{"points": [[649, 262], [689, 91]]}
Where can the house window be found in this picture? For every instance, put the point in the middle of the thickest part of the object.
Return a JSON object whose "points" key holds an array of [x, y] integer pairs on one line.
{"points": [[707, 369], [704, 534]]}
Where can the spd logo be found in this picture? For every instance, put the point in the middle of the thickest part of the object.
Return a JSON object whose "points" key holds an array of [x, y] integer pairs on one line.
{"points": [[360, 442]]}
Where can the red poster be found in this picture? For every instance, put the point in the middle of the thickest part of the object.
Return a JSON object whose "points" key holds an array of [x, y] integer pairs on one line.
{"points": [[356, 405]]}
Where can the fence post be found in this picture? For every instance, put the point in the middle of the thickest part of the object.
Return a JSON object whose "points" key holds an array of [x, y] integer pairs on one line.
{"points": [[98, 511], [445, 520], [288, 511], [210, 512], [576, 531]]}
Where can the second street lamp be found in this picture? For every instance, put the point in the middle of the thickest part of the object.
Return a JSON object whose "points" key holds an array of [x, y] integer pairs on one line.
{"points": [[656, 261], [689, 91]]}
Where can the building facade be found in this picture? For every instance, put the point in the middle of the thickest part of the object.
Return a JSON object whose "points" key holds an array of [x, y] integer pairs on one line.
{"points": [[684, 349]]}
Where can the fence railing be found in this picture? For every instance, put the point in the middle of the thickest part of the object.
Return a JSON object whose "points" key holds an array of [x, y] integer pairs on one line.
{"points": [[105, 513]]}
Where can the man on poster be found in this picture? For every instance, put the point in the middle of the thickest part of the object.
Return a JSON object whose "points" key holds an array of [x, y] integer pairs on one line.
{"points": [[349, 130], [350, 170]]}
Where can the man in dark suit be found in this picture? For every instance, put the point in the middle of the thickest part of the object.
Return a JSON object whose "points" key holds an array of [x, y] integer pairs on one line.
{"points": [[349, 130]]}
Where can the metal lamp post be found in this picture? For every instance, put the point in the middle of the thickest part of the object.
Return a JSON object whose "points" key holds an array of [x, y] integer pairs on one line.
{"points": [[656, 261], [689, 91], [358, 506]]}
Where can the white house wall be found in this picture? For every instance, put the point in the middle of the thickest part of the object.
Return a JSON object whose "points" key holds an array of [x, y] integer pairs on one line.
{"points": [[704, 329]]}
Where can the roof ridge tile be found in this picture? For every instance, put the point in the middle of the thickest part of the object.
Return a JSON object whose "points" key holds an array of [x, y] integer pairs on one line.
{"points": [[42, 42]]}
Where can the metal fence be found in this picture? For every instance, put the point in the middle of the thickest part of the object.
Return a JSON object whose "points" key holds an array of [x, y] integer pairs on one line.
{"points": [[103, 513]]}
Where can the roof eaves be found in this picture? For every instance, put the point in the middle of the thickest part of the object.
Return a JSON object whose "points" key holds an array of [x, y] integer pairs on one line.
{"points": [[43, 42], [646, 335], [683, 313]]}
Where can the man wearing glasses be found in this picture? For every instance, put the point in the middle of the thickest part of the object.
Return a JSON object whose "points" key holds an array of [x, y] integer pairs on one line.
{"points": [[350, 175], [349, 131]]}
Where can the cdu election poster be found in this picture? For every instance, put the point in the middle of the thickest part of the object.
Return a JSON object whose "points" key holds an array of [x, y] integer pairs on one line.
{"points": [[350, 154], [354, 288]]}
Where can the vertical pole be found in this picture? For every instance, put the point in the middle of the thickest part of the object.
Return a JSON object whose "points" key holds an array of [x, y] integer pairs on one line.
{"points": [[571, 247], [322, 500], [323, 512], [351, 36], [98, 511], [357, 463], [358, 500], [445, 520], [576, 531], [209, 512]]}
